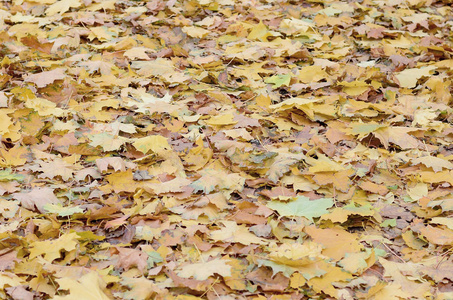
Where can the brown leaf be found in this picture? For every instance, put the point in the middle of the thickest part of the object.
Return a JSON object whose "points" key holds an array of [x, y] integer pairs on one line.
{"points": [[268, 283], [37, 198], [129, 258], [47, 77]]}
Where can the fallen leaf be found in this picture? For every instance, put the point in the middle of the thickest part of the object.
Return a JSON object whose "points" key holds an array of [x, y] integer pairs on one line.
{"points": [[302, 207], [37, 198], [47, 77], [203, 270]]}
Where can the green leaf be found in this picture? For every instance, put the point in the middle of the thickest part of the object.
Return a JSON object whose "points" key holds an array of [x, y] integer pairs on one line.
{"points": [[302, 206], [279, 80], [388, 223], [154, 257], [6, 175]]}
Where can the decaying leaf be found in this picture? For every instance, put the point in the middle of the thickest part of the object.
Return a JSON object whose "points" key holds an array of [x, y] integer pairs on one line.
{"points": [[226, 149]]}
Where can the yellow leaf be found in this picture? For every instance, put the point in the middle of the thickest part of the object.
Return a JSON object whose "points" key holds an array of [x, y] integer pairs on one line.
{"points": [[122, 181], [296, 255], [137, 52], [354, 88], [195, 32], [203, 270], [340, 180], [8, 279], [419, 191], [198, 156], [157, 67], [409, 77], [412, 241], [295, 26], [444, 221], [259, 32], [154, 143], [324, 283], [354, 262], [176, 185], [236, 280], [16, 156], [323, 164], [337, 241], [107, 141], [312, 74], [398, 136], [103, 33], [391, 291], [436, 163], [374, 188], [5, 121], [240, 133], [62, 6], [297, 280], [88, 287], [341, 214], [231, 232], [437, 236], [50, 249], [44, 107], [431, 177]]}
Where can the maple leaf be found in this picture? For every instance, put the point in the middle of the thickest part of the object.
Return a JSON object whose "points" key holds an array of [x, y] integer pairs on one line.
{"points": [[340, 180], [175, 185], [436, 163], [437, 236], [56, 168], [203, 270], [302, 207], [51, 249], [324, 283], [44, 107], [337, 242], [231, 232], [107, 141], [296, 255], [398, 136], [323, 164], [37, 198], [341, 214], [175, 126], [407, 286], [7, 175], [221, 120], [117, 163], [90, 286], [132, 257], [408, 78], [16, 156], [281, 164], [155, 143], [11, 280], [354, 262], [213, 178], [62, 211], [140, 288], [44, 78], [236, 280]]}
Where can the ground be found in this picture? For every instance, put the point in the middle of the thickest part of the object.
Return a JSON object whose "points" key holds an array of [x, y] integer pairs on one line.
{"points": [[226, 149]]}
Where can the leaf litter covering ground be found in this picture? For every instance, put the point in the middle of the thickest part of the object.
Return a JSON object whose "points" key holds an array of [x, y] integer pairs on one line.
{"points": [[226, 150]]}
